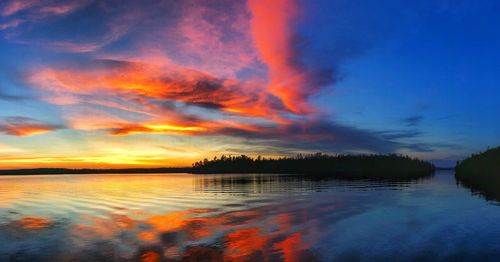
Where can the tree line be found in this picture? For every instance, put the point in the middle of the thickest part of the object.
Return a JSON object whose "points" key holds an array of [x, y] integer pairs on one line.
{"points": [[481, 172], [349, 166]]}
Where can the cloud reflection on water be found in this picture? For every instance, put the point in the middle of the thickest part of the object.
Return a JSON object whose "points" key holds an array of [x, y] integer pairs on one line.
{"points": [[235, 236], [175, 217]]}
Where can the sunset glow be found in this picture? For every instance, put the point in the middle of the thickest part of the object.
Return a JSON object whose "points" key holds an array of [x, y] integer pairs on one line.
{"points": [[166, 83]]}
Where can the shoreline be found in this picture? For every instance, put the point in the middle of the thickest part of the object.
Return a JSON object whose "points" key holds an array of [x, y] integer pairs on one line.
{"points": [[88, 171], [317, 165], [190, 171]]}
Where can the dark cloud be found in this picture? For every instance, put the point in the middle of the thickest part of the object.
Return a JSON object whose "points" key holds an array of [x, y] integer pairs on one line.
{"points": [[447, 117], [406, 134], [208, 105], [412, 120], [419, 147], [7, 97], [318, 135], [10, 97]]}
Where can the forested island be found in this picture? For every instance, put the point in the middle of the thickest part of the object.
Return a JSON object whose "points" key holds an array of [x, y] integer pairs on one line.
{"points": [[342, 166], [481, 173]]}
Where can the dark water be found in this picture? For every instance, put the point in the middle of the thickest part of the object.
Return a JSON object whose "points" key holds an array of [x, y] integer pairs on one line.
{"points": [[242, 218]]}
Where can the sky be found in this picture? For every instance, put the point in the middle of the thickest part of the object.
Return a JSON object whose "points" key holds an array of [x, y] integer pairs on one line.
{"points": [[112, 83]]}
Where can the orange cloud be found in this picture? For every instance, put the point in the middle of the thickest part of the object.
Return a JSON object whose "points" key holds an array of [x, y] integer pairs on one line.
{"points": [[157, 129], [127, 79], [184, 128], [26, 130], [273, 35], [127, 97], [92, 119], [23, 126], [203, 77]]}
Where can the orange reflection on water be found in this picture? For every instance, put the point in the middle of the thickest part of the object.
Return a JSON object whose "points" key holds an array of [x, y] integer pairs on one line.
{"points": [[33, 223], [168, 222], [102, 228], [202, 210], [249, 234], [147, 236], [115, 210], [150, 256], [291, 247], [243, 243]]}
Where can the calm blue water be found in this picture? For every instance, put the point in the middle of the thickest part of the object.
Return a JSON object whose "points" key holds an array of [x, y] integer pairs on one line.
{"points": [[242, 218]]}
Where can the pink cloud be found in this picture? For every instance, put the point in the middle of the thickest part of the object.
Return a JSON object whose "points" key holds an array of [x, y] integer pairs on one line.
{"points": [[214, 40], [11, 24], [273, 34], [15, 6]]}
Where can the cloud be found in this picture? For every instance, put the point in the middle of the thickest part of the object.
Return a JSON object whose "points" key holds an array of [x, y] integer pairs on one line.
{"points": [[209, 105], [11, 24], [42, 8], [225, 69], [213, 36], [278, 45], [412, 120], [298, 136], [25, 126], [163, 128], [140, 82], [7, 149], [63, 8], [328, 136], [224, 40], [15, 6], [48, 23], [8, 97], [94, 95], [273, 36]]}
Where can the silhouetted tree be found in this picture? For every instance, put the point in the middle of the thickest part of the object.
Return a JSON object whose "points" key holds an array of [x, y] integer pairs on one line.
{"points": [[481, 172], [356, 166]]}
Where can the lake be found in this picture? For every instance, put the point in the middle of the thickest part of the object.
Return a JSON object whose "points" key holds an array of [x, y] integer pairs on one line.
{"points": [[170, 217]]}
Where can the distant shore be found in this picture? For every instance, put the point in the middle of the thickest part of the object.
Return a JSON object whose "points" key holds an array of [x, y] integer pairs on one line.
{"points": [[69, 171], [342, 166]]}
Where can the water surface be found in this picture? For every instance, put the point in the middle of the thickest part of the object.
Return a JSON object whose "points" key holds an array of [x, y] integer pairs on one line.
{"points": [[155, 217]]}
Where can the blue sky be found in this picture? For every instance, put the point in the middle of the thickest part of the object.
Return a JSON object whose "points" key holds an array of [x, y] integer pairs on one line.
{"points": [[164, 83]]}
